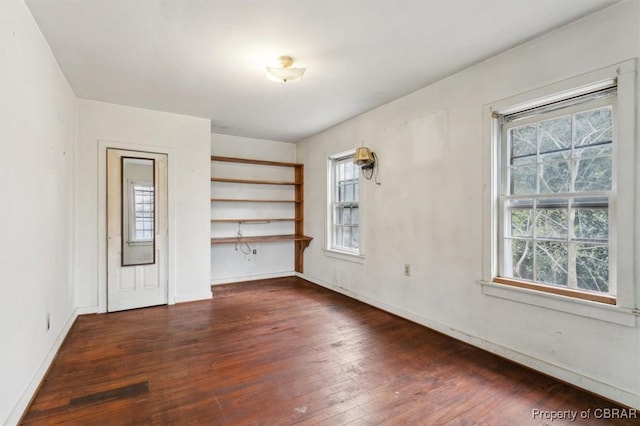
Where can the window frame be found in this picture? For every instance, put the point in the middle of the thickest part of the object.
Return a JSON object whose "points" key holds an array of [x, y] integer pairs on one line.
{"points": [[627, 202], [331, 249], [578, 106]]}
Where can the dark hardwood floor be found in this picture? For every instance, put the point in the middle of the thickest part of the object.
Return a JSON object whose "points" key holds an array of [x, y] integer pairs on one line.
{"points": [[285, 352]]}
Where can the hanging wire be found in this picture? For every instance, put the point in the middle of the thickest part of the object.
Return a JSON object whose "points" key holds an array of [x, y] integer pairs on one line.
{"points": [[240, 246], [373, 171]]}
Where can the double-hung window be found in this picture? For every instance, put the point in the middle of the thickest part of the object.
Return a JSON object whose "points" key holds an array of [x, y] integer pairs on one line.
{"points": [[556, 196], [560, 206], [344, 208]]}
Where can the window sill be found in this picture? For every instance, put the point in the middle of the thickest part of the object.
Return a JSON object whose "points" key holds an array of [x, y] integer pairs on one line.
{"points": [[584, 308], [343, 255]]}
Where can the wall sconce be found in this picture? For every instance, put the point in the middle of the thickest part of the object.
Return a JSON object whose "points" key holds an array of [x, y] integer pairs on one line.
{"points": [[367, 160]]}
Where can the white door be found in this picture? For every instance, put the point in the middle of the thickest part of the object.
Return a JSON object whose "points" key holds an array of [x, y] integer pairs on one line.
{"points": [[136, 229]]}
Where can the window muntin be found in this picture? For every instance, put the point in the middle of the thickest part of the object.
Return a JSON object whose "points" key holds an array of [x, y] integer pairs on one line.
{"points": [[557, 189], [345, 208]]}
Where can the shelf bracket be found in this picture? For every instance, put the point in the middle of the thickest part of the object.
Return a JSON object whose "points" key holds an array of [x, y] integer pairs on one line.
{"points": [[300, 245]]}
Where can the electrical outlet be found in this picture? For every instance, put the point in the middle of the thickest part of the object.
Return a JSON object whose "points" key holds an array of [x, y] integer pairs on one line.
{"points": [[255, 251], [407, 269]]}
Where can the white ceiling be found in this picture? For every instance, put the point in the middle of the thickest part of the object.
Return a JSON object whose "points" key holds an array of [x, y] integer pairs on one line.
{"points": [[207, 58]]}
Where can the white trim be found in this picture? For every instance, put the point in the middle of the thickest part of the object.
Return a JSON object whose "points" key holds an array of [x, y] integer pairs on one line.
{"points": [[25, 399], [628, 189], [103, 145], [193, 297], [570, 305], [563, 95], [561, 373], [256, 277], [84, 310], [343, 255], [573, 86]]}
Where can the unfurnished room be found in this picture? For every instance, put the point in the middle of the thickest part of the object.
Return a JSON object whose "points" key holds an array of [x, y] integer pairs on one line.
{"points": [[348, 212]]}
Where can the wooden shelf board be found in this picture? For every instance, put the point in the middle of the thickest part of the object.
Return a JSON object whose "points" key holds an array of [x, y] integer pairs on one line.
{"points": [[255, 181], [286, 219], [253, 200], [261, 239], [252, 161]]}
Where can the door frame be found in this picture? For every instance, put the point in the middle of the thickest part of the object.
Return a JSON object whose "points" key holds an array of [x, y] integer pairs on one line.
{"points": [[103, 145]]}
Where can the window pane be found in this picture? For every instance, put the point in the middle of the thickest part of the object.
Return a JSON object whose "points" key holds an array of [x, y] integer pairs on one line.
{"points": [[555, 138], [523, 180], [521, 259], [346, 216], [355, 237], [346, 237], [342, 193], [521, 222], [348, 192], [337, 236], [523, 144], [592, 267], [593, 174], [551, 223], [591, 223], [348, 171], [551, 262], [554, 177], [593, 126], [555, 156], [355, 216], [593, 151]]}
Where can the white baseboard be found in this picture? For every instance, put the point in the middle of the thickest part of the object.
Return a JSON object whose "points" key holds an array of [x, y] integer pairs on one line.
{"points": [[193, 297], [230, 280], [28, 394], [561, 373], [84, 310]]}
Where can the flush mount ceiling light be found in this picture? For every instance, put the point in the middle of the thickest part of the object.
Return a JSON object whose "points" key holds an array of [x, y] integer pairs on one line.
{"points": [[285, 73]]}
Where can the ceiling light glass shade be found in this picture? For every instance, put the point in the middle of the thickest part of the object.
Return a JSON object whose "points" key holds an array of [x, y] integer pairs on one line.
{"points": [[363, 157], [285, 73]]}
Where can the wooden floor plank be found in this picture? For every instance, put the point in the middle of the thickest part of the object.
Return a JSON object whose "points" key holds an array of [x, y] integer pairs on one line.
{"points": [[284, 352]]}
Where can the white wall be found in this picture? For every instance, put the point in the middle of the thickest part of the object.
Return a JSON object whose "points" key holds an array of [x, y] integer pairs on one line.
{"points": [[187, 139], [38, 117], [272, 259], [428, 212]]}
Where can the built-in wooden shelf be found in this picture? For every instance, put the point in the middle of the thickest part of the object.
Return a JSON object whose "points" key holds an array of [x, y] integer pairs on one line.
{"points": [[261, 239], [285, 219], [300, 240], [254, 181], [253, 161], [252, 200]]}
